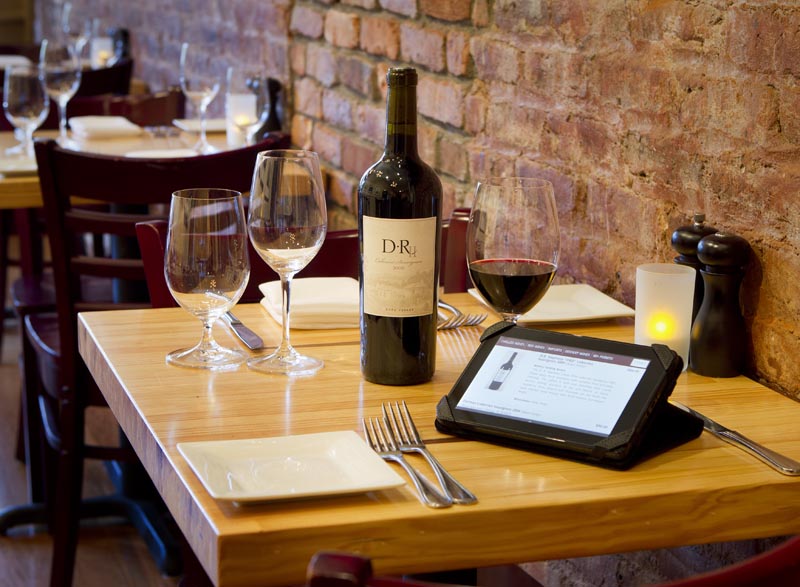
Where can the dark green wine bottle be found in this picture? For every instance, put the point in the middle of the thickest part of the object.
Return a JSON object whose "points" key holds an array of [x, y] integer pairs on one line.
{"points": [[399, 223]]}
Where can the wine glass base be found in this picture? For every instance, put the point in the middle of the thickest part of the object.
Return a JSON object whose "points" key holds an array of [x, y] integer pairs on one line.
{"points": [[216, 359], [285, 364], [205, 148], [17, 151]]}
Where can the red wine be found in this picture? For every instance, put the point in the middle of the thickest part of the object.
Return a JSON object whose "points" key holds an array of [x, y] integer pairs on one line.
{"points": [[399, 222], [512, 286]]}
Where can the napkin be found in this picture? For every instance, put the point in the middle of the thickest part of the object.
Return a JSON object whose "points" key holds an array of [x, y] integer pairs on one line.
{"points": [[103, 127], [316, 302], [7, 61]]}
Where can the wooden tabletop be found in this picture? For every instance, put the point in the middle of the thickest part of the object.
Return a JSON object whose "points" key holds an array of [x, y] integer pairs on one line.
{"points": [[23, 191], [531, 507]]}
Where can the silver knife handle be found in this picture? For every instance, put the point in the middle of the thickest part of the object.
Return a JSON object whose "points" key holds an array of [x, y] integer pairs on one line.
{"points": [[777, 461]]}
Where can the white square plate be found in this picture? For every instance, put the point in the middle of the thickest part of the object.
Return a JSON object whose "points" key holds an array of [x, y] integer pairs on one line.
{"points": [[193, 124], [574, 302], [17, 166], [288, 467]]}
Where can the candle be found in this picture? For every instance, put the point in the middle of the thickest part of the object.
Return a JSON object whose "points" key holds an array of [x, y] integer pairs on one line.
{"points": [[664, 300], [240, 112], [100, 51]]}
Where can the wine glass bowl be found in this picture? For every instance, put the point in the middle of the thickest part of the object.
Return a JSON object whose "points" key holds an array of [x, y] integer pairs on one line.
{"points": [[207, 267], [287, 222], [61, 71], [25, 103], [199, 89], [513, 243]]}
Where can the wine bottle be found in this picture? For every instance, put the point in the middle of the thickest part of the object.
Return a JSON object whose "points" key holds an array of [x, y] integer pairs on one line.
{"points": [[502, 373], [399, 222]]}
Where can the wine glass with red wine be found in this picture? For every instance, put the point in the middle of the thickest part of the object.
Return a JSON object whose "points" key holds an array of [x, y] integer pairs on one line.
{"points": [[513, 243]]}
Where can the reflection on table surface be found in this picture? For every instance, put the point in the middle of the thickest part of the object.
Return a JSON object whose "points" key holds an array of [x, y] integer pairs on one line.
{"points": [[531, 506]]}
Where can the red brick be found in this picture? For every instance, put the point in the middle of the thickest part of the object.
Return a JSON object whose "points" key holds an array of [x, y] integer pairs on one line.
{"points": [[489, 158], [321, 63], [328, 143], [297, 59], [341, 29], [337, 109], [370, 122], [453, 157], [475, 107], [357, 74], [457, 52], [273, 16], [342, 190], [422, 45], [427, 141], [308, 97], [480, 13], [511, 15], [301, 131], [380, 35], [452, 10], [441, 99], [365, 4], [495, 59], [404, 7], [358, 155], [307, 21], [762, 38]]}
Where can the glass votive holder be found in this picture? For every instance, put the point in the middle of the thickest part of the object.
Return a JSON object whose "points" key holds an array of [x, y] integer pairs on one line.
{"points": [[664, 300], [240, 113], [101, 50]]}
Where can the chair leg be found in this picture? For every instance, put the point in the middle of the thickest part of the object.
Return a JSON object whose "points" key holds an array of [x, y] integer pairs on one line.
{"points": [[5, 228]]}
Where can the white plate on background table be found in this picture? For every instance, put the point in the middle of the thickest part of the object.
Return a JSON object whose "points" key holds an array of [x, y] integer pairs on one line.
{"points": [[575, 302], [288, 467], [193, 124], [17, 166]]}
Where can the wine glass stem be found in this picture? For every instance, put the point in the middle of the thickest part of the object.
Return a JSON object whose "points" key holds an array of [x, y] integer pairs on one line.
{"points": [[28, 141], [203, 123], [207, 340], [62, 117], [286, 283]]}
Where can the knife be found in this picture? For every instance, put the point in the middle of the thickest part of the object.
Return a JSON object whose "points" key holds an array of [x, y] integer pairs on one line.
{"points": [[777, 461], [247, 336]]}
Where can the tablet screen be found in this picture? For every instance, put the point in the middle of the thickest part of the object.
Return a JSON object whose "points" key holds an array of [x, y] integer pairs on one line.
{"points": [[564, 386]]}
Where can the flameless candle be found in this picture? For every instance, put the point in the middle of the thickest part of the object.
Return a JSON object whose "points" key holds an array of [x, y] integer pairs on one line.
{"points": [[101, 50], [240, 110], [664, 300]]}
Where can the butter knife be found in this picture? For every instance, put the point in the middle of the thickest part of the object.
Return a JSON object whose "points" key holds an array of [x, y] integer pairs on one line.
{"points": [[243, 333], [777, 461]]}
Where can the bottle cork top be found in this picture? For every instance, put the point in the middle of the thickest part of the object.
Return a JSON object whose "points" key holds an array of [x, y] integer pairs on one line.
{"points": [[401, 76]]}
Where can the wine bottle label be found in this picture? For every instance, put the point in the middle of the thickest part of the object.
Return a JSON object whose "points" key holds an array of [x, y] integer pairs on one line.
{"points": [[399, 266]]}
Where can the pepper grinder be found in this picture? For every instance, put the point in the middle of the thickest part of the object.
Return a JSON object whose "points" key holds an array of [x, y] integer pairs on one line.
{"points": [[719, 339], [685, 240]]}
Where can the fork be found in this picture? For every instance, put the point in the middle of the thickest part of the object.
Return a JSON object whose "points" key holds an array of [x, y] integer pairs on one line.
{"points": [[459, 318], [381, 441], [408, 440]]}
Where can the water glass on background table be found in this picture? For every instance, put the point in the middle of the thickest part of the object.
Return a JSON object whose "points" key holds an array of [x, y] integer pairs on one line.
{"points": [[77, 29], [25, 103], [199, 88], [61, 69], [207, 267], [513, 243], [287, 222]]}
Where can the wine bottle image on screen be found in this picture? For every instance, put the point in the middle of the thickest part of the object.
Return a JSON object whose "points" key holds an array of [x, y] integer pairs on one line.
{"points": [[502, 373], [399, 222]]}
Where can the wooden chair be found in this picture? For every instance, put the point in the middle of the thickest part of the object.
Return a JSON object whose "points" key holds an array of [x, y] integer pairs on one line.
{"points": [[338, 257], [58, 387]]}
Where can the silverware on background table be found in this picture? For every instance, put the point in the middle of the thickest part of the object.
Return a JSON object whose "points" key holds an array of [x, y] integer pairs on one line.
{"points": [[408, 439], [380, 440], [243, 333], [777, 461], [458, 318]]}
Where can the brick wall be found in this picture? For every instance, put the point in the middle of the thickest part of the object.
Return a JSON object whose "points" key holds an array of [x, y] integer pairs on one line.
{"points": [[641, 113]]}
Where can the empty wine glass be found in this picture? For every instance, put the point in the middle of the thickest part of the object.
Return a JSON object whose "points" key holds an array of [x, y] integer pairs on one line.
{"points": [[513, 243], [76, 29], [199, 89], [207, 267], [287, 222], [25, 103], [61, 70], [246, 105]]}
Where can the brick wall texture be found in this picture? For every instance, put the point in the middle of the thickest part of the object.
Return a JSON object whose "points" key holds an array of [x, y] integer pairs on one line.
{"points": [[640, 112]]}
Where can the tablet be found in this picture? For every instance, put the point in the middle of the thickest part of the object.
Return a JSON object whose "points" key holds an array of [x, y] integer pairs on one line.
{"points": [[580, 397]]}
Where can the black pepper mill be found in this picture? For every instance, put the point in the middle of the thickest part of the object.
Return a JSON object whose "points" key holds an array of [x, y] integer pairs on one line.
{"points": [[719, 339], [685, 240]]}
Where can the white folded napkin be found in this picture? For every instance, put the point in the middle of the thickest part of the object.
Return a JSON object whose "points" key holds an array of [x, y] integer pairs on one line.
{"points": [[103, 127], [8, 61], [316, 302]]}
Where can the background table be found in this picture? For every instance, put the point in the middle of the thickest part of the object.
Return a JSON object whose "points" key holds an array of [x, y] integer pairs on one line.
{"points": [[531, 507]]}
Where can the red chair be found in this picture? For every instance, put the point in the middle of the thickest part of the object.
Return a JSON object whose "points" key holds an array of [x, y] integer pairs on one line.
{"points": [[338, 257], [58, 387], [454, 252]]}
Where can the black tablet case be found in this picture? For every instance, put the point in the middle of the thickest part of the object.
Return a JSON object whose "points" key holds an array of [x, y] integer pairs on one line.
{"points": [[666, 427]]}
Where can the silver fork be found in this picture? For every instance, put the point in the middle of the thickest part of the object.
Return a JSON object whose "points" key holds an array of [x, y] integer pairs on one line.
{"points": [[459, 318], [409, 440], [379, 438]]}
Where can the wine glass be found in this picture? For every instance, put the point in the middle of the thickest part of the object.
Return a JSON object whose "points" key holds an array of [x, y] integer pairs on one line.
{"points": [[287, 222], [207, 266], [199, 90], [513, 243], [61, 69], [246, 105], [26, 104], [75, 28]]}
